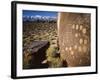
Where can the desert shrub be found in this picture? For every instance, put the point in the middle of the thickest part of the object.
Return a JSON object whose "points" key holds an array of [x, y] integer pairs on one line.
{"points": [[54, 61], [26, 59]]}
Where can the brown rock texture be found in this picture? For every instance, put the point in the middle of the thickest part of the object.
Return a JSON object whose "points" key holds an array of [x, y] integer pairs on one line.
{"points": [[74, 31]]}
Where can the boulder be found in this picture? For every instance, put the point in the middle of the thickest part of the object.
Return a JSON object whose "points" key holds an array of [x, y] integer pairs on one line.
{"points": [[38, 53]]}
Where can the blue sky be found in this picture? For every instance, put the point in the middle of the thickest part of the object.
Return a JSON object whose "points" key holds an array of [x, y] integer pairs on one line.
{"points": [[41, 13]]}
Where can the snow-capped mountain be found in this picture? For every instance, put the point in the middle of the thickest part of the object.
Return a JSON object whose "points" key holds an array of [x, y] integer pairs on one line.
{"points": [[40, 18]]}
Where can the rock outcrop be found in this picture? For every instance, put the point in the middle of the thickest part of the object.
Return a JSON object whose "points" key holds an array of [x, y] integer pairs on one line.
{"points": [[74, 38], [38, 54]]}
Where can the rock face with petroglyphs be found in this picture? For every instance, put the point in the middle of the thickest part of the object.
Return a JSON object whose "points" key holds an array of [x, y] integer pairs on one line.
{"points": [[75, 38]]}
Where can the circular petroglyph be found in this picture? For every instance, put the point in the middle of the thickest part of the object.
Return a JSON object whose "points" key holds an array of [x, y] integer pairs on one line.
{"points": [[70, 48], [73, 26], [81, 41], [66, 48], [75, 46], [72, 52], [81, 27], [76, 34], [84, 31], [80, 49], [85, 41], [84, 49], [77, 26]]}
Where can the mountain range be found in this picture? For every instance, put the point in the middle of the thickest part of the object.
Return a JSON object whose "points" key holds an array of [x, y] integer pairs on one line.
{"points": [[39, 18]]}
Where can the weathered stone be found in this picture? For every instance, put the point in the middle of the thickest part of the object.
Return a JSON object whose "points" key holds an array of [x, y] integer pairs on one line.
{"points": [[74, 33], [38, 53]]}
